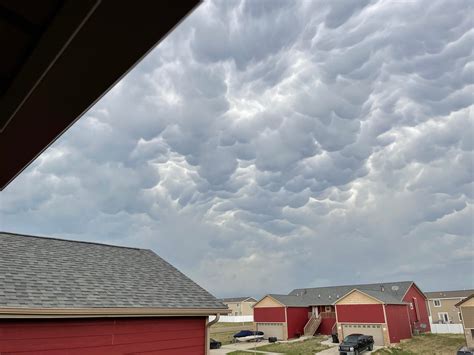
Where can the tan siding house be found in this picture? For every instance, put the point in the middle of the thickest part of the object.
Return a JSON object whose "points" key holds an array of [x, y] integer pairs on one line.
{"points": [[466, 308], [442, 305], [240, 306]]}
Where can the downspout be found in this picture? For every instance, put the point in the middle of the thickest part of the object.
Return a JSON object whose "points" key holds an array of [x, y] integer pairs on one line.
{"points": [[208, 332]]}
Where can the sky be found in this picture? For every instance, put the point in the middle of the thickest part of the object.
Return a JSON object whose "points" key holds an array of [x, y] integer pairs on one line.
{"points": [[269, 145]]}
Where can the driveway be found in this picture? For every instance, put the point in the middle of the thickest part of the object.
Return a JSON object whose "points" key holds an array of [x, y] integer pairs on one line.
{"points": [[225, 349]]}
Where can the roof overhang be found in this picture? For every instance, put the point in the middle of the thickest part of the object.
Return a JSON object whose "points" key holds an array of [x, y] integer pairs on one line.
{"points": [[459, 304], [107, 312], [60, 56]]}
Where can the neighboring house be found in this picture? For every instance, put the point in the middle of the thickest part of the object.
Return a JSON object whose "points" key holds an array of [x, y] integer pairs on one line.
{"points": [[60, 296], [389, 312], [466, 307], [240, 306], [442, 305]]}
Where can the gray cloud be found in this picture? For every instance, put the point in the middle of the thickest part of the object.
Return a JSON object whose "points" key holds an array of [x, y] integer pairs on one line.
{"points": [[263, 144]]}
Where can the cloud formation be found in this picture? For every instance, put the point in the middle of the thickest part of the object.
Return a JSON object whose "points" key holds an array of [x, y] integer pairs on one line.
{"points": [[267, 145]]}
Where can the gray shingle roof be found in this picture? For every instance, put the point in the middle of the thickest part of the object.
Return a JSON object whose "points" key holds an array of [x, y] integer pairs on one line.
{"points": [[38, 272], [392, 293], [449, 294], [238, 299]]}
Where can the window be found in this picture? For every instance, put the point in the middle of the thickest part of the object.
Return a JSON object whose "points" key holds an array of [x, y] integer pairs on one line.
{"points": [[437, 303], [443, 317], [460, 316], [472, 333]]}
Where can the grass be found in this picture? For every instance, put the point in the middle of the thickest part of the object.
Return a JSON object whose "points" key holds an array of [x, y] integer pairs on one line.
{"points": [[438, 344], [309, 346], [225, 324], [223, 337]]}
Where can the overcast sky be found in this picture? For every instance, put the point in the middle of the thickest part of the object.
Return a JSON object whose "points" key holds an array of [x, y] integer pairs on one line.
{"points": [[269, 145]]}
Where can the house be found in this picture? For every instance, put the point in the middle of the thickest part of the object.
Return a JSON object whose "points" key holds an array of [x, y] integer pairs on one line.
{"points": [[388, 311], [442, 305], [240, 306], [466, 307], [61, 296]]}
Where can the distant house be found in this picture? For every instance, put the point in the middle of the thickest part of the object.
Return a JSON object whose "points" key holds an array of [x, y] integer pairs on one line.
{"points": [[240, 306], [389, 312], [68, 297], [466, 308], [442, 305]]}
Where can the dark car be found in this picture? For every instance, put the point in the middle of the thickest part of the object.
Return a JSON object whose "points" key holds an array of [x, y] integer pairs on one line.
{"points": [[215, 344], [465, 351], [356, 344]]}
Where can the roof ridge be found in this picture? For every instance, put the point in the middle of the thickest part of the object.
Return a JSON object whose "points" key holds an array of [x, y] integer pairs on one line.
{"points": [[353, 285], [72, 241]]}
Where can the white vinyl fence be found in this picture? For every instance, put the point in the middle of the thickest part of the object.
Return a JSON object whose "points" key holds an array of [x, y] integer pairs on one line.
{"points": [[447, 328], [233, 319]]}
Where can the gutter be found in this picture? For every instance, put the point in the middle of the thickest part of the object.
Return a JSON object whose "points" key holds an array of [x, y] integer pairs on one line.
{"points": [[105, 312], [208, 331]]}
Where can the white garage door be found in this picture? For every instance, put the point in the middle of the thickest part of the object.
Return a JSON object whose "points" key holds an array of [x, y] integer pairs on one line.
{"points": [[367, 329], [272, 330]]}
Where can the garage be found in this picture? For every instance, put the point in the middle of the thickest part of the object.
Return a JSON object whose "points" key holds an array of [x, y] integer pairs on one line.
{"points": [[375, 330], [277, 330]]}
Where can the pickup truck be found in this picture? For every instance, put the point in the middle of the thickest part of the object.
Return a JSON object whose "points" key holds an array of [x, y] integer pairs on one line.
{"points": [[355, 344]]}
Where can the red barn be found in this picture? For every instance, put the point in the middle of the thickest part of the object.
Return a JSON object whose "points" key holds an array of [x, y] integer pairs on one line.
{"points": [[389, 312], [68, 297]]}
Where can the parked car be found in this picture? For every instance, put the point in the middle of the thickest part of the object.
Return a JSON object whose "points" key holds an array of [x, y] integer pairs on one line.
{"points": [[215, 344], [465, 351], [355, 344]]}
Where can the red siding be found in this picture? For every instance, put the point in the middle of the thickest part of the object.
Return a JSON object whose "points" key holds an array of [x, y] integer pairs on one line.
{"points": [[398, 322], [103, 336], [360, 313], [419, 313], [269, 314], [297, 317], [326, 326]]}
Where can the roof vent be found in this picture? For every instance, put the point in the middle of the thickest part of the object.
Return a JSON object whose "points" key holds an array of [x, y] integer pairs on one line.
{"points": [[337, 296], [319, 296], [395, 288], [382, 288], [329, 296]]}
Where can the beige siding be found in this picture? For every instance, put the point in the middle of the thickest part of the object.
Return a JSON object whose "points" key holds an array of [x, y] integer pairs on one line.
{"points": [[267, 301], [357, 297], [447, 306], [468, 316], [240, 308]]}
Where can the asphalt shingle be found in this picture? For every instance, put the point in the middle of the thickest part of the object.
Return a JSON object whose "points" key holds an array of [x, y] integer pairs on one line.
{"points": [[39, 272]]}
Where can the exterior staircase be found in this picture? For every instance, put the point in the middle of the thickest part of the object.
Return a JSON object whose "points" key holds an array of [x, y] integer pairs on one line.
{"points": [[312, 325]]}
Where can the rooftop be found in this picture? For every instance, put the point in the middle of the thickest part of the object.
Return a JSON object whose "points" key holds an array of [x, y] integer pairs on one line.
{"points": [[41, 272]]}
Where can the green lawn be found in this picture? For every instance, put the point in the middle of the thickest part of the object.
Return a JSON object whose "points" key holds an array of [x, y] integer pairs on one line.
{"points": [[437, 344], [309, 346]]}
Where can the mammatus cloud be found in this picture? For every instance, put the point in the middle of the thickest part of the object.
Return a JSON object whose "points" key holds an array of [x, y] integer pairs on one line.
{"points": [[267, 145]]}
